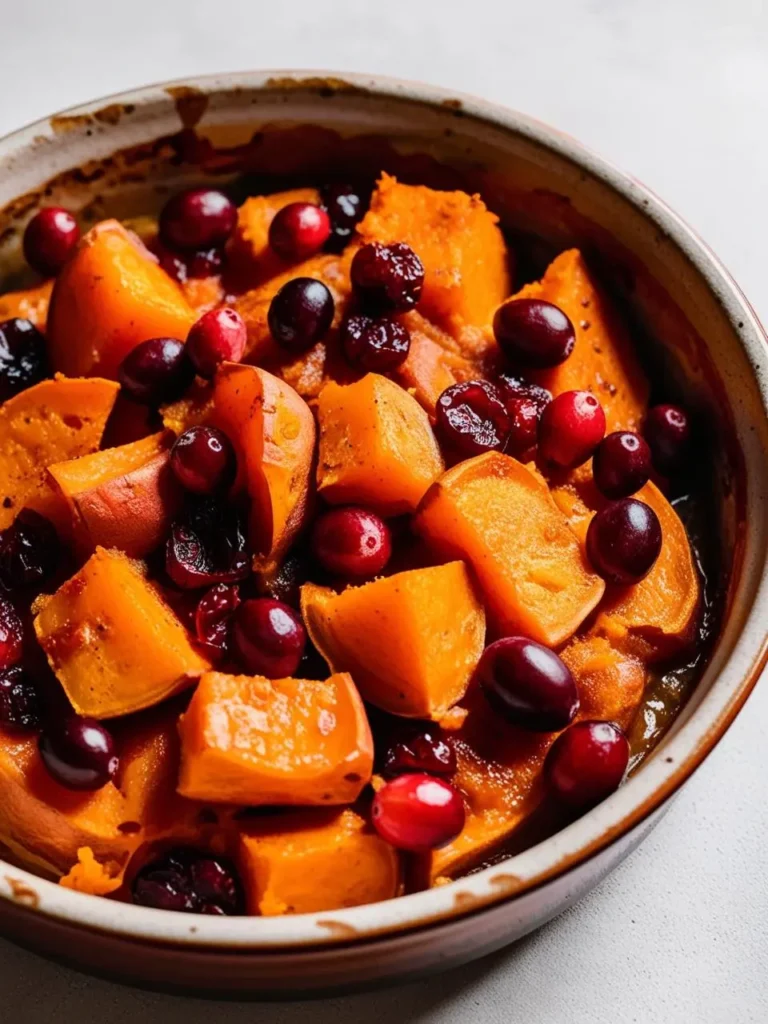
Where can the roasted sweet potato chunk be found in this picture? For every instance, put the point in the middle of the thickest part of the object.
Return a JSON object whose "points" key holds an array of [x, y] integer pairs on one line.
{"points": [[28, 304], [249, 250]]}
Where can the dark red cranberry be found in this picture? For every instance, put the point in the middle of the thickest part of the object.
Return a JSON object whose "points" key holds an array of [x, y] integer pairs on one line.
{"points": [[299, 230], [220, 335], [587, 763], [203, 460], [190, 881], [418, 812], [200, 218], [528, 684], [49, 238], [421, 750], [23, 357], [213, 617], [472, 418], [79, 752], [570, 428], [534, 333], [345, 205], [11, 634], [668, 433], [624, 541], [20, 705], [269, 637], [156, 371], [376, 345], [387, 278], [300, 313], [205, 263], [525, 404], [207, 545], [621, 464], [29, 551], [352, 543]]}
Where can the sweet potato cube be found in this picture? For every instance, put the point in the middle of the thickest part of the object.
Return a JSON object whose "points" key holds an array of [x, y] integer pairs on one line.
{"points": [[499, 516], [28, 304], [411, 641], [249, 740], [311, 861], [249, 250], [114, 644], [377, 447]]}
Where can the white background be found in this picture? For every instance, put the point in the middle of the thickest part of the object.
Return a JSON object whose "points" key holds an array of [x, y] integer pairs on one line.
{"points": [[675, 91]]}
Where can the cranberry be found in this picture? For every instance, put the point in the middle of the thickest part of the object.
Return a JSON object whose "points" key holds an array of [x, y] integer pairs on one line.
{"points": [[11, 634], [668, 433], [300, 313], [23, 357], [587, 763], [191, 881], [213, 617], [79, 752], [200, 218], [524, 403], [351, 542], [203, 460], [29, 551], [387, 278], [621, 464], [207, 546], [205, 263], [418, 812], [421, 750], [19, 700], [624, 541], [299, 230], [173, 263], [345, 205], [529, 685], [375, 345], [156, 371], [472, 418], [49, 238], [571, 427], [220, 335], [269, 637], [535, 333]]}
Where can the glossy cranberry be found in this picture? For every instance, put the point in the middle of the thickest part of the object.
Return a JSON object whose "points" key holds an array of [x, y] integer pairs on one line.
{"points": [[300, 313], [156, 371], [351, 542], [213, 617], [528, 684], [11, 634], [20, 705], [220, 335], [387, 278], [269, 637], [621, 464], [667, 430], [376, 345], [23, 358], [570, 428], [203, 460], [421, 750], [524, 403], [49, 238], [534, 333], [79, 752], [624, 541], [190, 881], [586, 764], [207, 545], [472, 418], [200, 218], [29, 551], [345, 205], [418, 812], [299, 230]]}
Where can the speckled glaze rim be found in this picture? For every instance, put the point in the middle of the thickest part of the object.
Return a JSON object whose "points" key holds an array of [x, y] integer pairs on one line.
{"points": [[646, 791]]}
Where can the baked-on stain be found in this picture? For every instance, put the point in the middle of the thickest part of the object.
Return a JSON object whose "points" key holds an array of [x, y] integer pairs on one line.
{"points": [[339, 930], [323, 86], [191, 103], [23, 893]]}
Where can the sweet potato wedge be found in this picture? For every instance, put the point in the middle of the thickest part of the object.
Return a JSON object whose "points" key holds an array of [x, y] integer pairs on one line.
{"points": [[249, 251], [195, 407], [28, 304]]}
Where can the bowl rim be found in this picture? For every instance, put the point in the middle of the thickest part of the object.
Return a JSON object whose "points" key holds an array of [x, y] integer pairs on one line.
{"points": [[643, 793]]}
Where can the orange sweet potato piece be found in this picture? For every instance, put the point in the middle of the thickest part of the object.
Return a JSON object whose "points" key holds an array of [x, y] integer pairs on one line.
{"points": [[249, 740], [114, 644], [273, 432], [249, 250], [203, 293], [311, 861], [499, 516], [610, 682], [29, 304], [195, 407], [110, 296], [52, 421], [411, 641], [377, 447]]}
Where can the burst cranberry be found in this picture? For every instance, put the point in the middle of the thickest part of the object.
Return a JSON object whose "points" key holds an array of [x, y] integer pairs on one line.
{"points": [[387, 278], [11, 634], [299, 230], [203, 460], [352, 543], [300, 313], [213, 617], [587, 763], [220, 335], [79, 752], [156, 371], [421, 750], [29, 551], [269, 637], [472, 418], [375, 345], [345, 205], [200, 218], [571, 427], [49, 238], [207, 546], [418, 812], [529, 685], [621, 464], [23, 358], [624, 541], [191, 881], [20, 706], [668, 433], [524, 403], [535, 333]]}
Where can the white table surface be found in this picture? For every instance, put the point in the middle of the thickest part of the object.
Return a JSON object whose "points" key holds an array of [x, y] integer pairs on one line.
{"points": [[677, 92]]}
